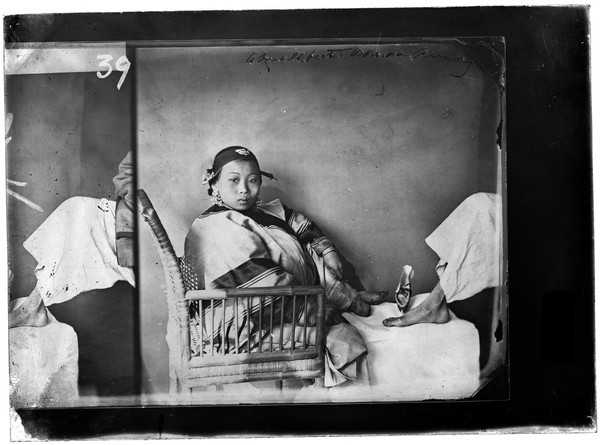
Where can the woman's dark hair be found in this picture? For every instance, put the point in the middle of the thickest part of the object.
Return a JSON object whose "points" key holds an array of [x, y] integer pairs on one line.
{"points": [[227, 155]]}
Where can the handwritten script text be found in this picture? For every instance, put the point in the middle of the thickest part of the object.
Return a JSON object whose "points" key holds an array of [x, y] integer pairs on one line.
{"points": [[314, 55]]}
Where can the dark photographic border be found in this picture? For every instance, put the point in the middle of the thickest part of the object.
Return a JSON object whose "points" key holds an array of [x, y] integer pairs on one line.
{"points": [[550, 222]]}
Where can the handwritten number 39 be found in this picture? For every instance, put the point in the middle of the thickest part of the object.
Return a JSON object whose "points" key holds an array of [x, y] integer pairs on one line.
{"points": [[122, 65]]}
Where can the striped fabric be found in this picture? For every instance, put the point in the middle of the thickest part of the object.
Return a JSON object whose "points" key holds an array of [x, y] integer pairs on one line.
{"points": [[307, 231], [260, 248], [243, 319], [273, 246]]}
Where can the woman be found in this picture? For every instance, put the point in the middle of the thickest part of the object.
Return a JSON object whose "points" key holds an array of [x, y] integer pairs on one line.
{"points": [[239, 239], [240, 242]]}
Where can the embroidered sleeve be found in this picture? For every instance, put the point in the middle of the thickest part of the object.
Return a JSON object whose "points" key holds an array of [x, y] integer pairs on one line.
{"points": [[308, 232]]}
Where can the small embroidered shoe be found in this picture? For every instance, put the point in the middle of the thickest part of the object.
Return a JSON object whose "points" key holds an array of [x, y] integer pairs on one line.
{"points": [[404, 289]]}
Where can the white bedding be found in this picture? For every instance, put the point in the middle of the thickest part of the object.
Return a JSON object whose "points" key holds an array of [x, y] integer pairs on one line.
{"points": [[43, 366], [421, 362], [424, 361]]}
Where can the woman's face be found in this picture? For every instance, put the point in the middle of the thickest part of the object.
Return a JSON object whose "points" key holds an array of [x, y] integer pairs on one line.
{"points": [[239, 184]]}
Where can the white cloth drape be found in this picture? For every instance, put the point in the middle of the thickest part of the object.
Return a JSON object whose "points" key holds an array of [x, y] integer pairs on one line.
{"points": [[75, 250], [469, 244]]}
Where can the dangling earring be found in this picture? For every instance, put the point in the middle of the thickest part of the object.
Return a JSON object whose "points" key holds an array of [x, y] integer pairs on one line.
{"points": [[258, 200], [216, 198]]}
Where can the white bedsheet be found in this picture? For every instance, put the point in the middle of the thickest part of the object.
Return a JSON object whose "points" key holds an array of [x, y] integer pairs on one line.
{"points": [[420, 362], [43, 366]]}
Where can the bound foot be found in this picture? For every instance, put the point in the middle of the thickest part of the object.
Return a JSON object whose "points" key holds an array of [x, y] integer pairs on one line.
{"points": [[433, 309], [360, 307], [372, 297]]}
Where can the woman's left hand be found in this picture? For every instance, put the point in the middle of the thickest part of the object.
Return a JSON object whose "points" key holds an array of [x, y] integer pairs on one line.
{"points": [[333, 263]]}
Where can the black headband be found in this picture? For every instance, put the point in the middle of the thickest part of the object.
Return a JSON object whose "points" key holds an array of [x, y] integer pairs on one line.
{"points": [[236, 153], [226, 156]]}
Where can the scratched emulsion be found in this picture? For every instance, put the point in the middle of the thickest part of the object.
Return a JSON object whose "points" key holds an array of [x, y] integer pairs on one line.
{"points": [[377, 143]]}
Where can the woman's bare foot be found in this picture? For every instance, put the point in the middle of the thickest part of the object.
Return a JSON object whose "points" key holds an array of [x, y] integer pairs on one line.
{"points": [[360, 307], [372, 297], [433, 309]]}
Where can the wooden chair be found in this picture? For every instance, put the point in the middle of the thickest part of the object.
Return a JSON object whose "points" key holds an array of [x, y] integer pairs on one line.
{"points": [[271, 360]]}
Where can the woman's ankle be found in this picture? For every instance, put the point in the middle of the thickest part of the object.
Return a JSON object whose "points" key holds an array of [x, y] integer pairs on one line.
{"points": [[360, 307]]}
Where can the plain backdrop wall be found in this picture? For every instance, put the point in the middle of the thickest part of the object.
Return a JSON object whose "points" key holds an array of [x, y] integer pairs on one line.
{"points": [[69, 133], [378, 151]]}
